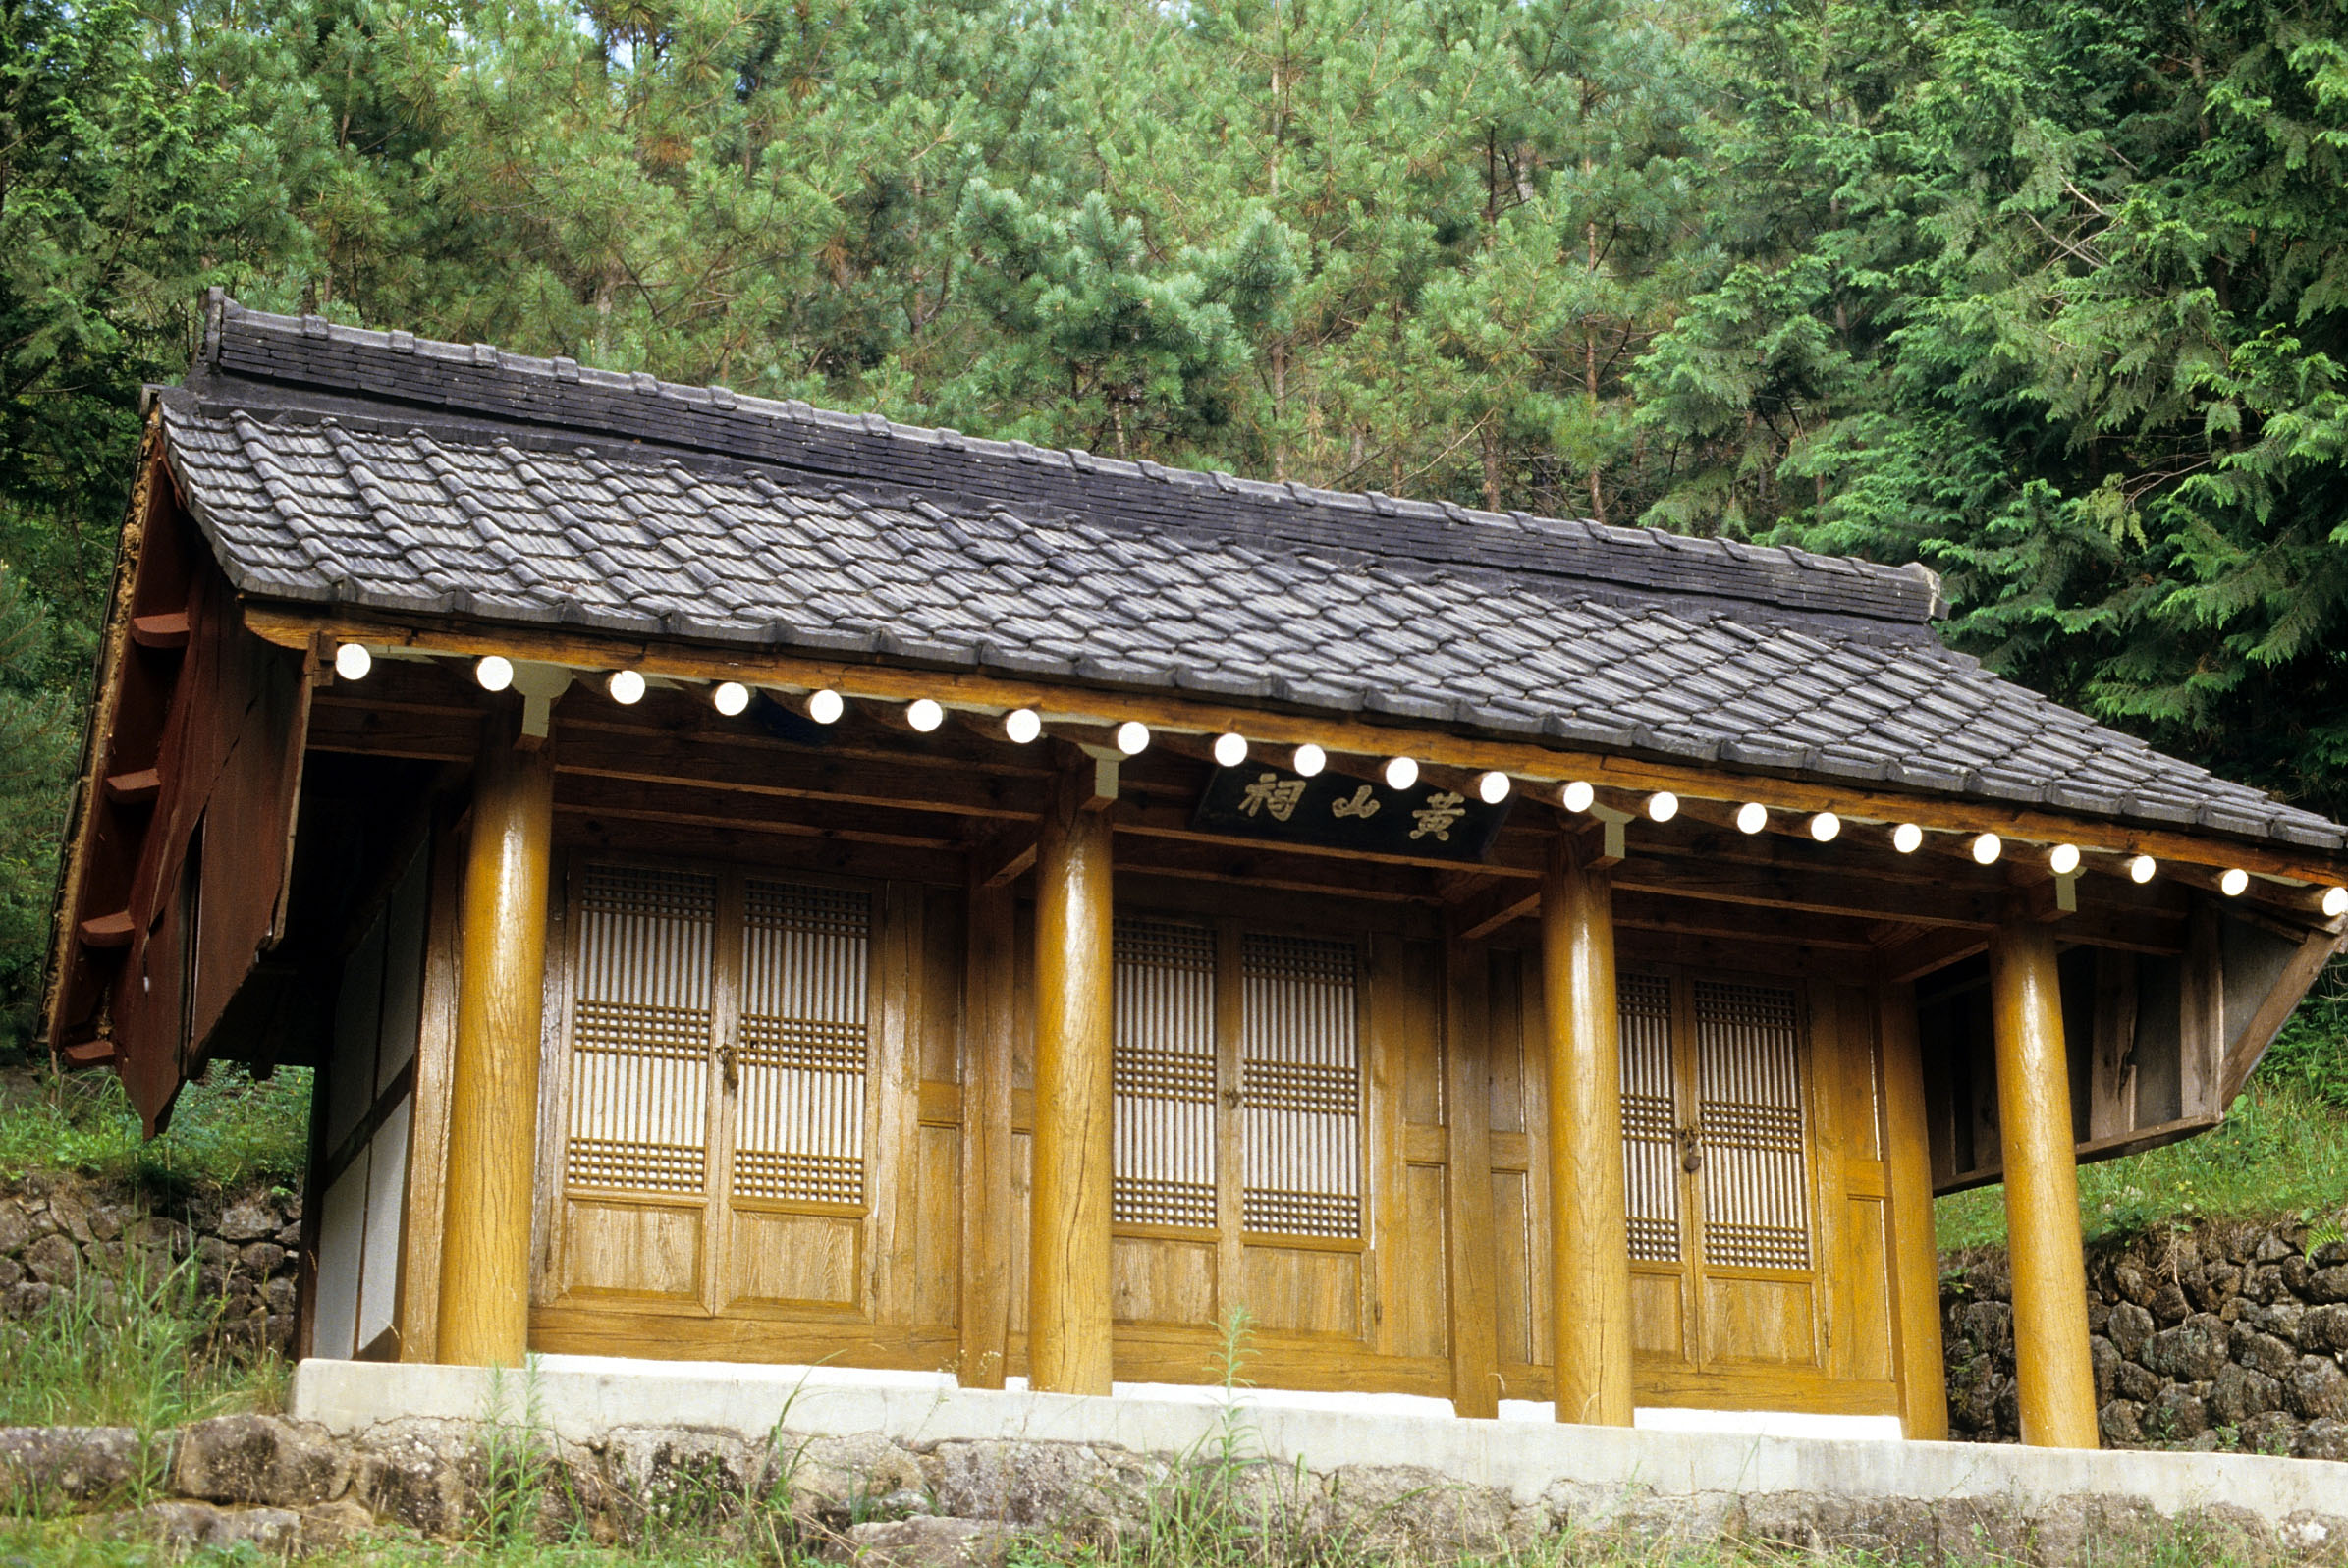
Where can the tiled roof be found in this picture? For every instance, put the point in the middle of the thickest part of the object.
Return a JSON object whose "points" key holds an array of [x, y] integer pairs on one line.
{"points": [[333, 466]]}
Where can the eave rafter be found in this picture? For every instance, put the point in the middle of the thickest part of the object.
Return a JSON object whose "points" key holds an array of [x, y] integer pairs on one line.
{"points": [[1703, 861]]}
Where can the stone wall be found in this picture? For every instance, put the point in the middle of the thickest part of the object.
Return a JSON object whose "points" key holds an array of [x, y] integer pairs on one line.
{"points": [[57, 1232], [875, 1500], [2229, 1336]]}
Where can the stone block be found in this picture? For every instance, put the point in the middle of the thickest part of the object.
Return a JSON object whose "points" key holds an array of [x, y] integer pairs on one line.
{"points": [[2175, 1416], [410, 1481], [2264, 1352], [2239, 1393], [2327, 1284], [261, 1459], [2106, 1358], [1388, 1510], [184, 1526], [2276, 1432], [2318, 1388], [52, 1261], [2121, 1423], [1089, 1492], [2325, 1328], [921, 1543], [41, 1466], [2325, 1438], [15, 1230], [2194, 1351], [249, 1220], [2129, 1328]]}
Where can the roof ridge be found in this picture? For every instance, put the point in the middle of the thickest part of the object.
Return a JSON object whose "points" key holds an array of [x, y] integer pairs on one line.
{"points": [[481, 379]]}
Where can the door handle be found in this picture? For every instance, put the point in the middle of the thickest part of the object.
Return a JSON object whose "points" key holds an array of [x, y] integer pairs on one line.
{"points": [[1691, 1150], [729, 1065]]}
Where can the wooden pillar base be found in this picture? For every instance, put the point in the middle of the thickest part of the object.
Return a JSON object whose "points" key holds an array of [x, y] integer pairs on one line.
{"points": [[493, 1110]]}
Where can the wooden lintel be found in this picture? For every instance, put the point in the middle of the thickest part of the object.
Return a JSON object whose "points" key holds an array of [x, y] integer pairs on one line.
{"points": [[295, 627]]}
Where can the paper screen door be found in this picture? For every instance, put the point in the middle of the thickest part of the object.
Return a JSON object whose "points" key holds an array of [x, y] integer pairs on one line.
{"points": [[717, 1125], [1718, 1168]]}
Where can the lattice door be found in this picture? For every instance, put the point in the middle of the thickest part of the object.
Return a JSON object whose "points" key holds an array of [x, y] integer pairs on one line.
{"points": [[1650, 1118], [802, 1045], [1163, 1169], [1300, 1087], [640, 1033], [1749, 1108]]}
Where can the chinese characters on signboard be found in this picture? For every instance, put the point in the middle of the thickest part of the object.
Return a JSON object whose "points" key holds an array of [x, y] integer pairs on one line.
{"points": [[1258, 801]]}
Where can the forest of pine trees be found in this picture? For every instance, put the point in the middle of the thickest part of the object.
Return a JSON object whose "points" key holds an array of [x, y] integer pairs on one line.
{"points": [[2051, 294]]}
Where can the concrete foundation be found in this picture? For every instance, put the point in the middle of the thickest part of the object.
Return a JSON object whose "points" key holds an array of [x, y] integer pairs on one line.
{"points": [[1561, 1473]]}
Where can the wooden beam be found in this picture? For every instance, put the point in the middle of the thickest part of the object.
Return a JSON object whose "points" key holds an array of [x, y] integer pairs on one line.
{"points": [[1589, 1237], [1351, 738], [2200, 1014], [2053, 1374], [1810, 892], [1245, 862], [1918, 953], [1067, 1267], [783, 771], [1467, 1109], [2274, 1011], [1915, 1261], [493, 1103], [2112, 1053]]}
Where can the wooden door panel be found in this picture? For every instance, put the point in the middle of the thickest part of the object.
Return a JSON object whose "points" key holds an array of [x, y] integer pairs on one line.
{"points": [[1512, 1234], [1658, 1313], [1418, 1307], [1162, 1281], [780, 1259], [633, 1254], [1755, 1320], [1868, 1310], [1302, 1290]]}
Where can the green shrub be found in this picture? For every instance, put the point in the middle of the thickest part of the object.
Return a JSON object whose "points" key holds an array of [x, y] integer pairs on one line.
{"points": [[230, 1130]]}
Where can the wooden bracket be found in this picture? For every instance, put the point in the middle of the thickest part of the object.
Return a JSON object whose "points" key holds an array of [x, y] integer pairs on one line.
{"points": [[1105, 765], [1613, 836], [540, 685]]}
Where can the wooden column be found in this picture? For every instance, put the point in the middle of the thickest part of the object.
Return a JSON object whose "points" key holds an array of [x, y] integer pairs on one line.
{"points": [[2053, 1374], [493, 1108], [988, 1013], [1589, 1238], [1915, 1262], [1068, 1265], [1474, 1257]]}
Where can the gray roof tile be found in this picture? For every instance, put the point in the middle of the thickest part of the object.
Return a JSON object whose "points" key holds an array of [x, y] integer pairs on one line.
{"points": [[381, 470]]}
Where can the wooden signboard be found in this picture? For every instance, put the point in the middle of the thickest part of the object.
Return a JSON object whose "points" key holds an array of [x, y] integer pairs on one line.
{"points": [[1256, 800]]}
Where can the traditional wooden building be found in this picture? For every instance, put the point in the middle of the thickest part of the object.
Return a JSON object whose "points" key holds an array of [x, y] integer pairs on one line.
{"points": [[767, 883]]}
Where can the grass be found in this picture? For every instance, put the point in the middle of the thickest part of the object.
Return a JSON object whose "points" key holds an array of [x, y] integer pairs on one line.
{"points": [[228, 1131], [136, 1351], [2281, 1153]]}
